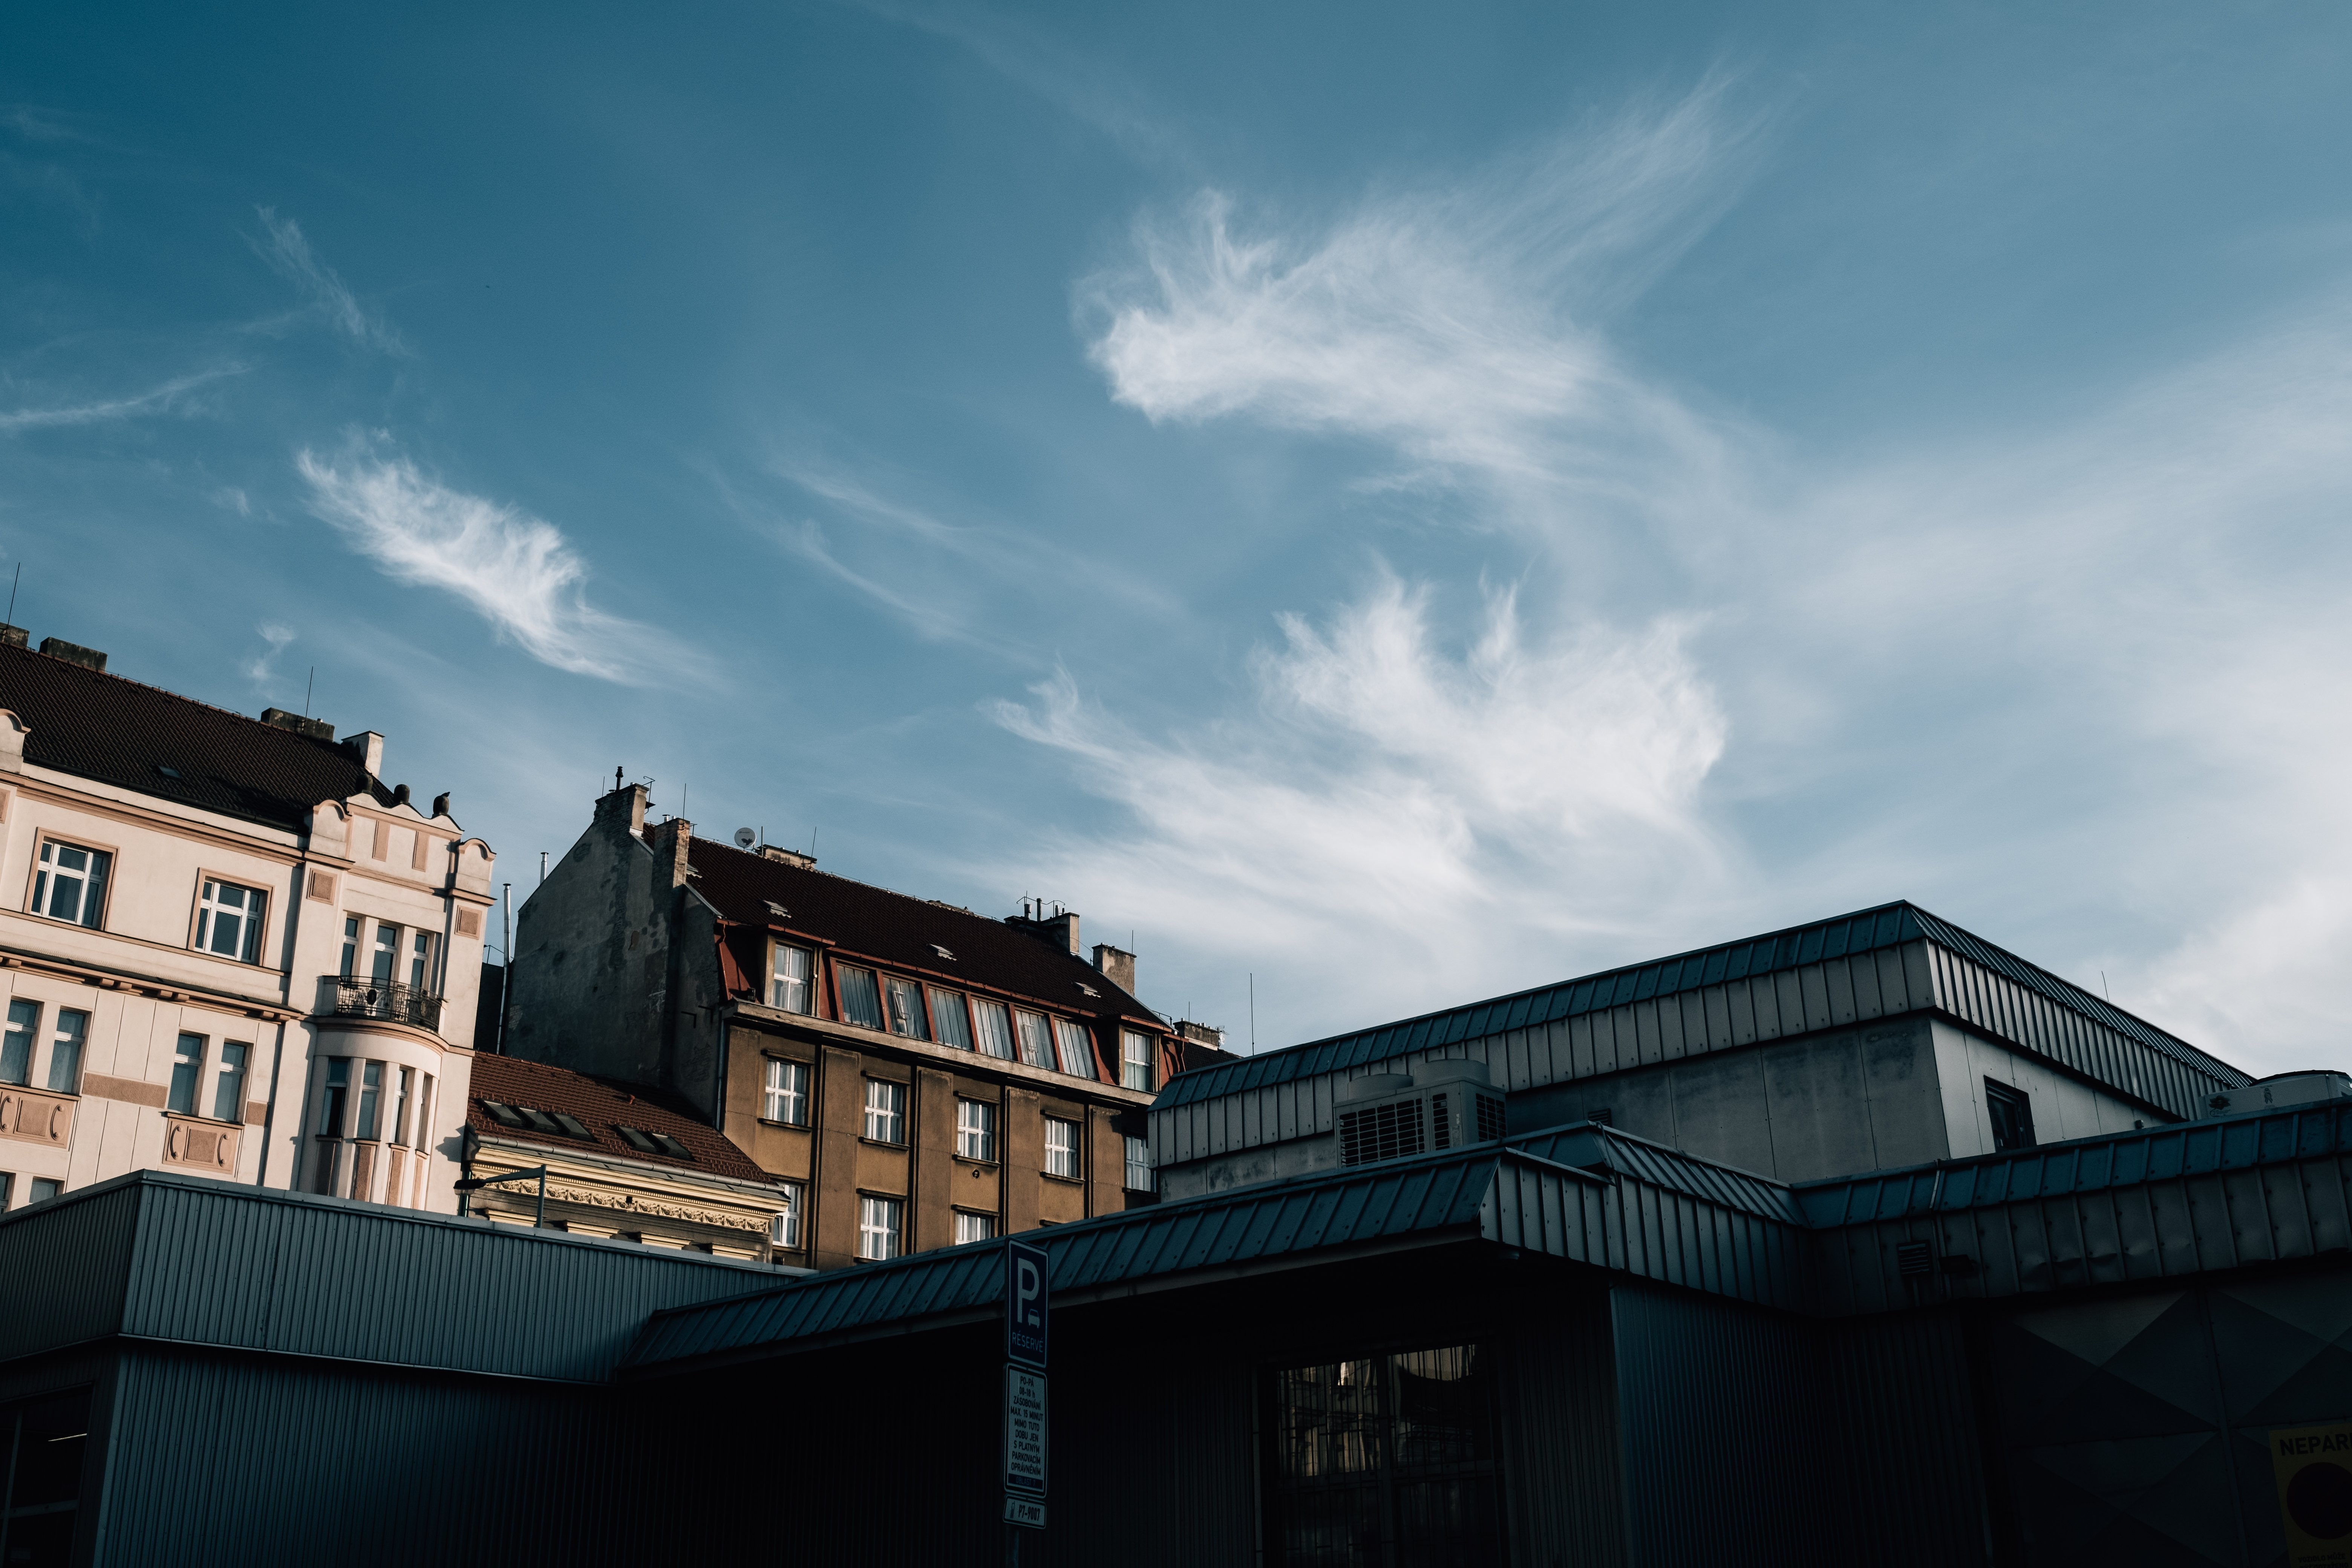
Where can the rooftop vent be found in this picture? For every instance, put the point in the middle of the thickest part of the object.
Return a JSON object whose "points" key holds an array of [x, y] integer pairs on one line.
{"points": [[317, 729], [73, 653], [1447, 1104]]}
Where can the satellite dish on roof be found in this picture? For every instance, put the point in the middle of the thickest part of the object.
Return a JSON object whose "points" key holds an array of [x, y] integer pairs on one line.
{"points": [[745, 838]]}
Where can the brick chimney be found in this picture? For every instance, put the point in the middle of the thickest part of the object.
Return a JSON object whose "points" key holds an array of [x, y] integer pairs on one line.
{"points": [[625, 806], [670, 841], [368, 747], [1061, 930], [74, 653], [1117, 965]]}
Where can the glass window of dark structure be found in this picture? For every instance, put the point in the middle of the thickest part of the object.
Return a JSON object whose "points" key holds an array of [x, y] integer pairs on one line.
{"points": [[1384, 1462], [42, 1445], [2011, 1115]]}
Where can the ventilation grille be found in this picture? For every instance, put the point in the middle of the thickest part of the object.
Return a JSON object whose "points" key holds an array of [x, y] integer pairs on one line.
{"points": [[1387, 1131], [1444, 1139], [1490, 1118]]}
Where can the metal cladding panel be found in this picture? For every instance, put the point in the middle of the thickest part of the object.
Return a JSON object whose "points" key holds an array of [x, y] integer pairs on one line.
{"points": [[270, 1462], [1587, 1144], [1902, 1439], [1703, 1387], [65, 1262], [1564, 1482]]}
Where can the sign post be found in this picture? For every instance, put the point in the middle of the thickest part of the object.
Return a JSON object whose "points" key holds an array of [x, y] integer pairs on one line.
{"points": [[1026, 1285]]}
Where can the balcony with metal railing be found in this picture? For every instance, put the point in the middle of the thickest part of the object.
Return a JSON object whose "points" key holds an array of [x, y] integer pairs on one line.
{"points": [[357, 996]]}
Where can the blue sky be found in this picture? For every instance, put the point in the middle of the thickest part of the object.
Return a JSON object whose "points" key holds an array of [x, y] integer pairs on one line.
{"points": [[1409, 502]]}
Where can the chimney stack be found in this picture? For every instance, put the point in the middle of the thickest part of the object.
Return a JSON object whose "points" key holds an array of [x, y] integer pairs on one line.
{"points": [[317, 729], [1117, 965], [74, 653], [625, 806], [670, 841], [368, 747], [1061, 930]]}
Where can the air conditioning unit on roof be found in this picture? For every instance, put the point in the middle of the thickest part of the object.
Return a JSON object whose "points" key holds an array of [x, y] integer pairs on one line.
{"points": [[1447, 1104]]}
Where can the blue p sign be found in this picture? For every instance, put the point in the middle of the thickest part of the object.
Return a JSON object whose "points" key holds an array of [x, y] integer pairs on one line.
{"points": [[1024, 1304]]}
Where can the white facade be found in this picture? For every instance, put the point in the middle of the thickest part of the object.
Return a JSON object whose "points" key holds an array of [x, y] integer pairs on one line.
{"points": [[173, 982]]}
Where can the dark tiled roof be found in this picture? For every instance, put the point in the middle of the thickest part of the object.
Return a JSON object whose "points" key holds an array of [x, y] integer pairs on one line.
{"points": [[102, 727], [902, 933], [1888, 926], [603, 1106]]}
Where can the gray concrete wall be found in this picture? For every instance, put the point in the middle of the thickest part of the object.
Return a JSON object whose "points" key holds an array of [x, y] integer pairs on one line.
{"points": [[2063, 1107], [1249, 1167]]}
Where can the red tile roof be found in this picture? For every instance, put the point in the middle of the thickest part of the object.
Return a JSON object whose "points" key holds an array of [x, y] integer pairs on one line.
{"points": [[98, 726], [603, 1106], [901, 933]]}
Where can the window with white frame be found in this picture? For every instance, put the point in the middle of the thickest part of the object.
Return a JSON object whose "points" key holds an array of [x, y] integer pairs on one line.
{"points": [[861, 1002], [350, 946], [783, 1097], [970, 1227], [886, 1110], [187, 1070], [1135, 1060], [386, 957], [1036, 1042], [370, 1094], [17, 1044], [420, 961], [1061, 1147], [228, 1084], [399, 1106], [789, 969], [1138, 1166], [949, 1020], [65, 1051], [425, 1115], [335, 1102], [228, 921], [70, 883], [784, 1230], [1076, 1051], [907, 1009], [976, 1130], [879, 1227], [995, 1029]]}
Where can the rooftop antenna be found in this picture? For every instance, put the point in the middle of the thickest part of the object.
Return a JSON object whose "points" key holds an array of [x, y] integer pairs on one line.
{"points": [[616, 778], [12, 592], [1253, 1013], [542, 867], [2103, 987], [307, 686]]}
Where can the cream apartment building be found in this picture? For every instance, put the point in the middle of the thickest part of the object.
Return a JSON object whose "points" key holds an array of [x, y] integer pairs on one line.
{"points": [[226, 946]]}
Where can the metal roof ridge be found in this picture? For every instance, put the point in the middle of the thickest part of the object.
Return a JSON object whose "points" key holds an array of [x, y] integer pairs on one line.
{"points": [[1621, 1135]]}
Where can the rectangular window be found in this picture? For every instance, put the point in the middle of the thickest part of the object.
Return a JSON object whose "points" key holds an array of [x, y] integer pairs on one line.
{"points": [[886, 1110], [861, 1004], [188, 1069], [420, 961], [41, 1189], [996, 1028], [228, 921], [350, 946], [1061, 1147], [17, 1044], [425, 1113], [784, 1096], [976, 1130], [333, 1103], [1074, 1047], [784, 1230], [1386, 1459], [878, 1229], [70, 884], [400, 1107], [65, 1051], [2011, 1115], [1138, 1166], [970, 1227], [1135, 1060], [906, 1010], [788, 984], [228, 1088], [7, 1182], [371, 1091], [947, 1016], [1036, 1046], [387, 953]]}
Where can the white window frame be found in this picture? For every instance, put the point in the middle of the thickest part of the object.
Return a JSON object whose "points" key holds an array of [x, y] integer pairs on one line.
{"points": [[784, 1093], [843, 984], [1135, 1061], [65, 1068], [991, 1030], [90, 906], [211, 909], [787, 992], [976, 1130], [187, 1088], [1138, 1163], [1036, 1047], [881, 1227], [229, 1080], [897, 991], [950, 1022], [973, 1228], [1062, 1158], [24, 1029], [1073, 1049], [784, 1229], [886, 1111]]}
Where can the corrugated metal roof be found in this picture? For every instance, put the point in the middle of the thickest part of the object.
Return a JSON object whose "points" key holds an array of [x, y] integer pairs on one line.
{"points": [[1588, 1145], [1867, 931]]}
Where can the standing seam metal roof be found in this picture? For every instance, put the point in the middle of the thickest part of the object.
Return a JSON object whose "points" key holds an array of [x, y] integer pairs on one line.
{"points": [[1888, 926]]}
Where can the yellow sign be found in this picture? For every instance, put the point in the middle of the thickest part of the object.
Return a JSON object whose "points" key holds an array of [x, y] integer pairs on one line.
{"points": [[2314, 1464]]}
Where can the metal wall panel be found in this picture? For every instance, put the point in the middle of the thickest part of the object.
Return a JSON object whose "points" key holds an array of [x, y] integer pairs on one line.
{"points": [[1563, 1482], [1898, 1441], [68, 1262]]}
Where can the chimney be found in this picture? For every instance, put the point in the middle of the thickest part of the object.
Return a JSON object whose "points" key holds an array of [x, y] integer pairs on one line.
{"points": [[626, 806], [1117, 965], [367, 746], [1061, 930], [669, 842], [74, 653], [788, 856], [12, 637], [317, 729]]}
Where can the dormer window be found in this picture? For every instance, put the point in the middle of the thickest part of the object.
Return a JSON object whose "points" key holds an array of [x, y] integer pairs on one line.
{"points": [[788, 984]]}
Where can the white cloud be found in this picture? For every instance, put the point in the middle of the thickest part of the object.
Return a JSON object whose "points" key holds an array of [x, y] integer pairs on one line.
{"points": [[516, 569], [171, 397], [262, 668], [289, 250]]}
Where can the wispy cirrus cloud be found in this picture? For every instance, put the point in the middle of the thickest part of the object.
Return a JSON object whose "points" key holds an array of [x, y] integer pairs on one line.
{"points": [[262, 668], [173, 396], [516, 571], [289, 251]]}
